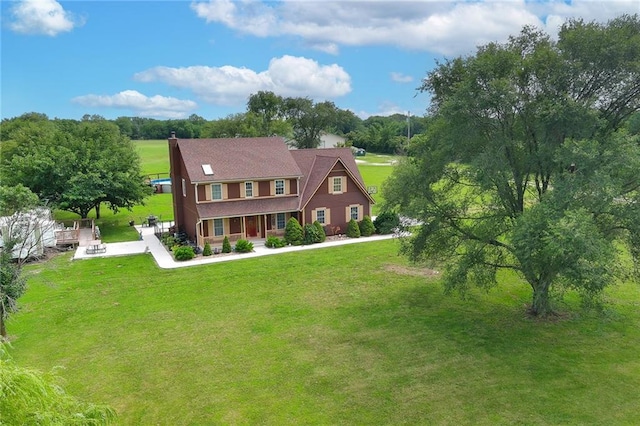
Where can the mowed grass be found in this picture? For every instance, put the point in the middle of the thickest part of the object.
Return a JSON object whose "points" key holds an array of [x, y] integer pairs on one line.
{"points": [[344, 335]]}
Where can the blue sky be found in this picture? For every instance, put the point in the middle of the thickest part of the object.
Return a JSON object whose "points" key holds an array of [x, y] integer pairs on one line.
{"points": [[171, 59]]}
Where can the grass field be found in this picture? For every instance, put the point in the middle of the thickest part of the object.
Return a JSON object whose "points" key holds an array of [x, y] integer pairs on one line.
{"points": [[346, 335]]}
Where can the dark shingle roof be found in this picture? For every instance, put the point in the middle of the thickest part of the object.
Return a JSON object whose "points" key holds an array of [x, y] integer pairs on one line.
{"points": [[238, 159], [316, 164], [247, 207]]}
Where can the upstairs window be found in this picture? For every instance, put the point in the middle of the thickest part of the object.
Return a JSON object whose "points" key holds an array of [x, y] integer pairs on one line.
{"points": [[279, 187], [216, 191], [337, 185], [248, 189], [184, 188]]}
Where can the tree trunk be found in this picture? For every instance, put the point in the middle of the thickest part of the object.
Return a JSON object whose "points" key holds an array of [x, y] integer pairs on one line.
{"points": [[3, 329], [540, 305], [98, 211]]}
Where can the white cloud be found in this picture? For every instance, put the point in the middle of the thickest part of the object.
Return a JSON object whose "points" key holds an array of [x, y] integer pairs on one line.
{"points": [[46, 17], [398, 77], [385, 109], [154, 106], [228, 85], [444, 27]]}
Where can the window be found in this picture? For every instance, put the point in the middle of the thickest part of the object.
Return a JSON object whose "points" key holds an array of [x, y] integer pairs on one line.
{"points": [[354, 213], [337, 185], [218, 227], [184, 188], [280, 221], [248, 189], [216, 191], [320, 216], [279, 187]]}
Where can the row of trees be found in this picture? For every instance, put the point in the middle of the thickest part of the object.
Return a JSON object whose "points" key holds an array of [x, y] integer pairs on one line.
{"points": [[299, 120], [531, 163]]}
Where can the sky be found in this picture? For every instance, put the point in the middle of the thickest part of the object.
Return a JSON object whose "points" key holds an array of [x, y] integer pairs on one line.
{"points": [[170, 59]]}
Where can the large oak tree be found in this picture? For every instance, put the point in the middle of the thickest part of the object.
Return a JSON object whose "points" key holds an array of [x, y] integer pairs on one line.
{"points": [[76, 166], [527, 164]]}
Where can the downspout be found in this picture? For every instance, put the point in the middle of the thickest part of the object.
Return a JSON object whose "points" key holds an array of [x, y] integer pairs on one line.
{"points": [[199, 233]]}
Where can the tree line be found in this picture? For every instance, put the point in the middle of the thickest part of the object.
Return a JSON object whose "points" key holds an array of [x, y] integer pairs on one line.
{"points": [[301, 121]]}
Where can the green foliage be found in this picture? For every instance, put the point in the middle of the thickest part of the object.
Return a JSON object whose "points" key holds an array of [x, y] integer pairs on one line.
{"points": [[29, 397], [310, 234], [274, 242], [206, 251], [183, 253], [527, 166], [76, 166], [17, 198], [386, 222], [366, 227], [353, 230], [244, 246], [293, 232], [226, 245], [322, 235]]}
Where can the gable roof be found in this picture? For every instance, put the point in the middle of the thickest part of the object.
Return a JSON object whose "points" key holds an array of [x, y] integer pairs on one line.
{"points": [[316, 164], [237, 159]]}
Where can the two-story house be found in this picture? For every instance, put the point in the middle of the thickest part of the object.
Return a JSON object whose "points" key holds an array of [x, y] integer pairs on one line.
{"points": [[250, 187]]}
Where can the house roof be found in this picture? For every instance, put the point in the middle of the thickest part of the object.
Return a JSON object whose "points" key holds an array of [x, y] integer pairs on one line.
{"points": [[247, 207], [252, 158], [316, 164]]}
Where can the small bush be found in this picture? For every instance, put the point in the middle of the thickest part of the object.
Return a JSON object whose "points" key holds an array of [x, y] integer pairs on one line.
{"points": [[206, 251], [169, 241], [293, 232], [366, 227], [353, 230], [226, 245], [184, 253], [275, 242], [322, 236], [386, 223], [244, 246], [310, 234]]}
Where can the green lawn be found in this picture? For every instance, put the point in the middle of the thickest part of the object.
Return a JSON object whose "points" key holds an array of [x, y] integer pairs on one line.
{"points": [[155, 157], [346, 335]]}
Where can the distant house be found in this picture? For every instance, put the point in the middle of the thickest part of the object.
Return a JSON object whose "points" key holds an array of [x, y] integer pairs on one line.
{"points": [[250, 187]]}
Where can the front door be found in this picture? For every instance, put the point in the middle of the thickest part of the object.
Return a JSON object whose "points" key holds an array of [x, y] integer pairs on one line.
{"points": [[251, 226]]}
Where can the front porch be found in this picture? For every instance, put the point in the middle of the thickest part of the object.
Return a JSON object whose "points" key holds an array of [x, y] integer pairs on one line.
{"points": [[253, 227]]}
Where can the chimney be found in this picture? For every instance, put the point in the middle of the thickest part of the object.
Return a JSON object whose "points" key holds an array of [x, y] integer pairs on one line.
{"points": [[173, 134]]}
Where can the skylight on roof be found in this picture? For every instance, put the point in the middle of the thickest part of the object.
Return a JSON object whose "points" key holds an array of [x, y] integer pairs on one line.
{"points": [[206, 168]]}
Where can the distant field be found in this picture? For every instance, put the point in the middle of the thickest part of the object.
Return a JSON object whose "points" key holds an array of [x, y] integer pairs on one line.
{"points": [[349, 335], [154, 155]]}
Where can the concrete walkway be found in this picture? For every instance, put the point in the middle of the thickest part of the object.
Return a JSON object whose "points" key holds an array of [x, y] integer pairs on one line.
{"points": [[164, 259]]}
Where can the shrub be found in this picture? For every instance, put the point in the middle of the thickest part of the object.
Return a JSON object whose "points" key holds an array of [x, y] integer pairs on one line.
{"points": [[274, 242], [226, 245], [169, 241], [310, 234], [183, 253], [386, 223], [244, 246], [353, 230], [322, 236], [293, 232], [206, 251], [366, 227]]}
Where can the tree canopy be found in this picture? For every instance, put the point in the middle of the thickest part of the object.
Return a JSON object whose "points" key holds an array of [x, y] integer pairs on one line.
{"points": [[73, 165], [528, 164]]}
